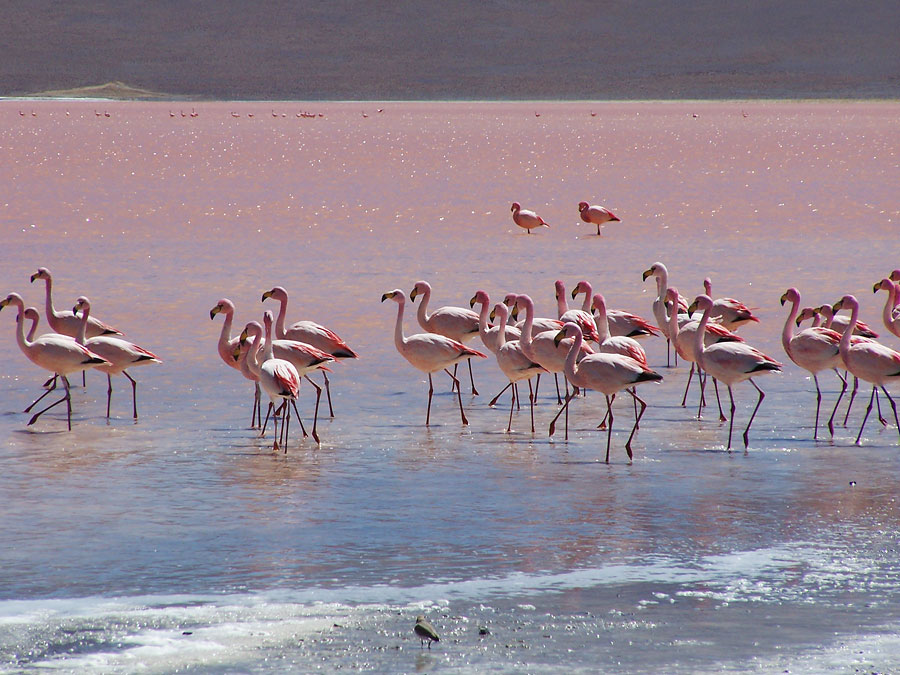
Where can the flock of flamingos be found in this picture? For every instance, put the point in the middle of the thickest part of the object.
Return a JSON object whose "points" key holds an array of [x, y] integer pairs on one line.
{"points": [[594, 347]]}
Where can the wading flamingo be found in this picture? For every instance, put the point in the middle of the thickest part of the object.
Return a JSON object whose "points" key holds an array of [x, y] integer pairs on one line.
{"points": [[311, 333], [606, 373], [227, 346], [870, 361], [813, 349], [120, 353], [730, 362], [456, 323], [429, 352], [66, 323], [683, 339], [890, 316], [661, 274], [279, 379], [490, 335], [596, 214], [527, 220], [620, 322], [729, 312], [59, 354], [514, 364], [244, 350]]}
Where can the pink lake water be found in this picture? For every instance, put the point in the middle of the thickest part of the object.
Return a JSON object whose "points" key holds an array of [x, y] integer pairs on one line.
{"points": [[182, 542]]}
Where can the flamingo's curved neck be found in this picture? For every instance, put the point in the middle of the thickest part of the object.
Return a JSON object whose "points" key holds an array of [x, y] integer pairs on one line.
{"points": [[571, 366], [845, 338], [399, 340], [501, 327], [561, 305], [588, 294], [24, 344], [701, 334], [34, 324], [673, 320], [483, 320], [51, 312], [82, 327], [827, 316], [602, 319], [525, 339], [268, 351], [423, 305], [787, 333], [279, 322], [251, 356], [225, 335], [887, 315]]}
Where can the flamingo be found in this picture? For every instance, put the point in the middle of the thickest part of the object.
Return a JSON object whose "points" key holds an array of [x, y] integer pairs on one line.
{"points": [[244, 351], [730, 313], [584, 319], [59, 354], [31, 314], [730, 362], [809, 313], [661, 274], [683, 341], [606, 373], [870, 361], [120, 353], [527, 220], [596, 214], [456, 323], [227, 346], [305, 358], [66, 323], [279, 379], [514, 363], [889, 316], [541, 347], [429, 352], [311, 333], [813, 349], [620, 322], [539, 324], [490, 335]]}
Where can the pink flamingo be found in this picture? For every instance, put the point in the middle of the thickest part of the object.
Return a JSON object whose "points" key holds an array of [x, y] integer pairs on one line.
{"points": [[311, 333], [429, 352], [730, 362], [279, 379], [813, 349], [515, 365], [620, 322], [808, 313], [840, 322], [606, 373], [456, 323], [661, 274], [539, 324], [889, 316], [527, 220], [121, 354], [59, 354], [305, 358], [683, 339], [730, 313], [583, 318], [596, 214], [243, 353], [229, 349], [66, 323], [870, 361]]}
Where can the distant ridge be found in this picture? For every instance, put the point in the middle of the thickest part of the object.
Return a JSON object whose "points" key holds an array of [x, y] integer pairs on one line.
{"points": [[111, 90]]}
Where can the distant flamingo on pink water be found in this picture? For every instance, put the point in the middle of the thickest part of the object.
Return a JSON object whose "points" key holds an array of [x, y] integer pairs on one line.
{"points": [[59, 354], [870, 361], [429, 352], [527, 220], [598, 215], [730, 362], [813, 349]]}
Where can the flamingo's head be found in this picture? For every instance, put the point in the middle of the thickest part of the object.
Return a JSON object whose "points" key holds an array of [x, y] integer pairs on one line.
{"points": [[570, 329], [707, 286], [81, 304], [582, 206], [598, 302], [847, 302], [894, 276], [32, 313], [826, 311], [806, 313], [790, 295], [12, 299], [224, 305], [701, 302], [581, 286], [500, 313], [279, 293], [479, 297], [396, 295], [516, 206], [42, 273], [251, 329], [421, 288], [884, 285], [653, 271], [560, 289]]}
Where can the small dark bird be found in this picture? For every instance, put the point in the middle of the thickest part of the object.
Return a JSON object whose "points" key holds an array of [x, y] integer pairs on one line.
{"points": [[425, 631]]}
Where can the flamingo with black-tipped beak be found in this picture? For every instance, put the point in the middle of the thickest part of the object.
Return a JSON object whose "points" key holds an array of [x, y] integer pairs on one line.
{"points": [[596, 214]]}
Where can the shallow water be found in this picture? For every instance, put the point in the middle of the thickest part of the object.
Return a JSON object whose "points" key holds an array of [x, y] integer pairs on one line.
{"points": [[182, 542]]}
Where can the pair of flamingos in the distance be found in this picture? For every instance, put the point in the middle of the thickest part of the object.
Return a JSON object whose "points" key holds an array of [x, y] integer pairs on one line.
{"points": [[78, 343], [277, 363], [590, 213]]}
